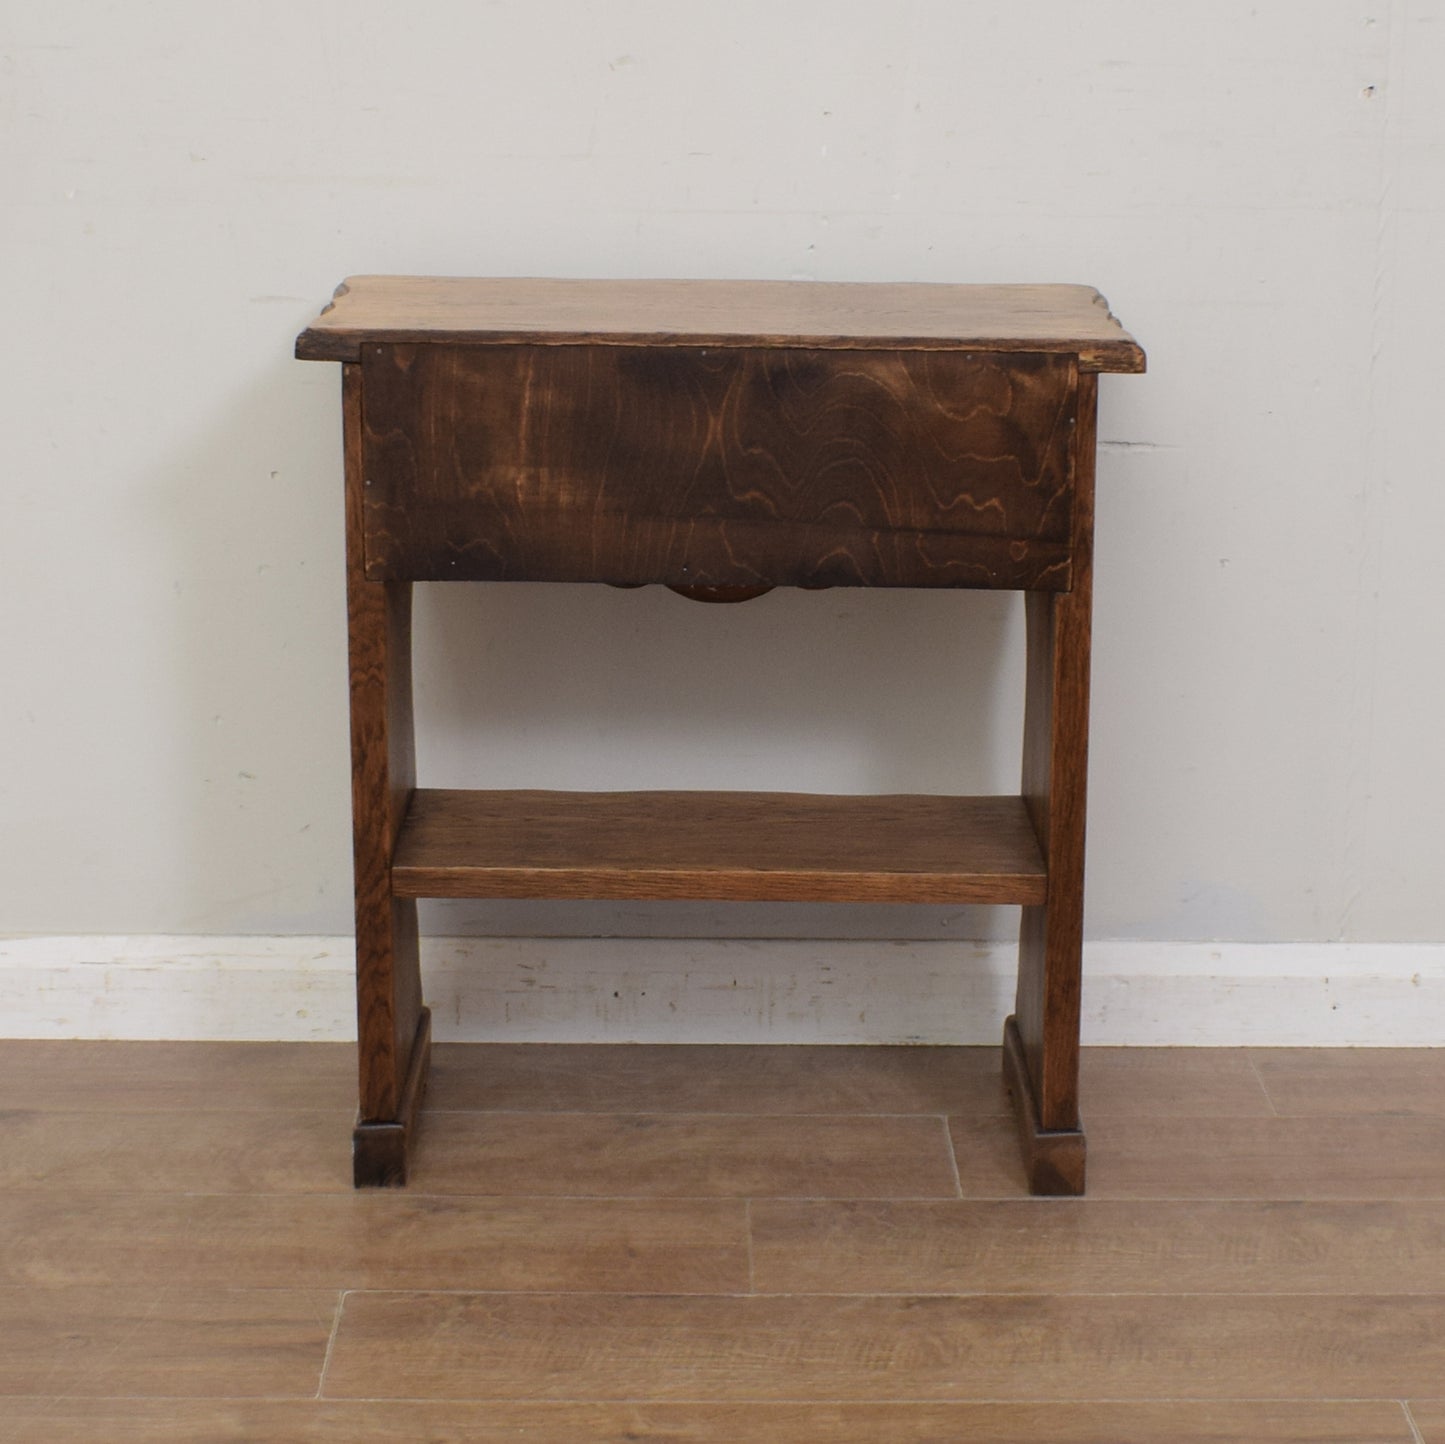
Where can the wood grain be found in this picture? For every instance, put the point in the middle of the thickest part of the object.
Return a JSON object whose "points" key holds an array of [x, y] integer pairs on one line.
{"points": [[1055, 788], [906, 316], [374, 1240], [131, 1076], [685, 1156], [1377, 1156], [220, 1152], [321, 1421], [779, 1078], [136, 1076], [1429, 1417], [738, 845], [1313, 1082], [381, 1150], [383, 775], [1171, 1082], [111, 1282], [720, 439], [1054, 1159], [717, 468], [766, 1079], [153, 1341], [1158, 1246], [571, 1347], [990, 1162]]}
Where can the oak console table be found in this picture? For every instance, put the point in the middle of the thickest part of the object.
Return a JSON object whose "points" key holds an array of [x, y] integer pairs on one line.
{"points": [[720, 438]]}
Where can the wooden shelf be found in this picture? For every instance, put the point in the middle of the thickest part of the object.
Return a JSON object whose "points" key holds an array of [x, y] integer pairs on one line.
{"points": [[739, 846]]}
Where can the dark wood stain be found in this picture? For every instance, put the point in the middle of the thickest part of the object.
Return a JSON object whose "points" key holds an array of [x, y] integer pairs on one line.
{"points": [[767, 846], [708, 468], [826, 315], [383, 775], [1055, 785], [720, 438]]}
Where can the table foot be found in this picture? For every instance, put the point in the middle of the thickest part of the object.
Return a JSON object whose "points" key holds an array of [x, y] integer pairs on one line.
{"points": [[380, 1150], [1053, 1159]]}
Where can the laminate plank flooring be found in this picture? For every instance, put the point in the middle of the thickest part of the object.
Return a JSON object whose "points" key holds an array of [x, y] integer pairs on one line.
{"points": [[721, 1078], [1170, 1083], [174, 1152], [1352, 1156], [382, 1239], [656, 1156], [96, 1076], [715, 1078], [140, 1421], [1429, 1418], [1335, 1081], [720, 1244], [1097, 1246], [577, 1347], [1357, 1155], [184, 1342]]}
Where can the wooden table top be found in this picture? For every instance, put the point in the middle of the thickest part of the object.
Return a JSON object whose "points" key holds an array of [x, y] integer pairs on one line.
{"points": [[815, 314]]}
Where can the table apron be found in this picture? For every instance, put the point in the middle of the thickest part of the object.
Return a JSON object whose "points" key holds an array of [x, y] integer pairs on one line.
{"points": [[719, 467]]}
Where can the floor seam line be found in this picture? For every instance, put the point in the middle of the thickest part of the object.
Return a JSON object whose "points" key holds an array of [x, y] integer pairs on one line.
{"points": [[1264, 1087], [330, 1343]]}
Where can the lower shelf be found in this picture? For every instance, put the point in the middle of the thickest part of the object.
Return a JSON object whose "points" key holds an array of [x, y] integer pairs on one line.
{"points": [[728, 846]]}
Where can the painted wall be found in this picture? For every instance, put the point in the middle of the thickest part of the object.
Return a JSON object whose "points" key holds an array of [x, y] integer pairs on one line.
{"points": [[1257, 187]]}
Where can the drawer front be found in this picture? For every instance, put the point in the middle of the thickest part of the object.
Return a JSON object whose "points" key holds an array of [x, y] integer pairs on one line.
{"points": [[718, 467]]}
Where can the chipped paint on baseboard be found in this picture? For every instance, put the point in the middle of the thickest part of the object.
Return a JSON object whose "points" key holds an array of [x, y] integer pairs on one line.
{"points": [[614, 990]]}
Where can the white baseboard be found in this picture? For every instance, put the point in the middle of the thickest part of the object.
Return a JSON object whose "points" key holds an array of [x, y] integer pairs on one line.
{"points": [[615, 990]]}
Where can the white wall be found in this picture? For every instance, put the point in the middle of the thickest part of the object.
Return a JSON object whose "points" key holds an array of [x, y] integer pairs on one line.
{"points": [[1257, 187]]}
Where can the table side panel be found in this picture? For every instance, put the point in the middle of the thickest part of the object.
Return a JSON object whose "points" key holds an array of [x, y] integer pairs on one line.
{"points": [[694, 466]]}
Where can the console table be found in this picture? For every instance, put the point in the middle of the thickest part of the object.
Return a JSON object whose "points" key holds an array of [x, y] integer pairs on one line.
{"points": [[720, 438]]}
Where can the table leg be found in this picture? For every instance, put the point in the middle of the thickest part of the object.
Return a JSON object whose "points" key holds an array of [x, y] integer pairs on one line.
{"points": [[1041, 1040], [393, 1028]]}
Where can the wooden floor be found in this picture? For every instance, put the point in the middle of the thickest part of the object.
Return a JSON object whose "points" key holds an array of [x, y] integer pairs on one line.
{"points": [[720, 1244]]}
